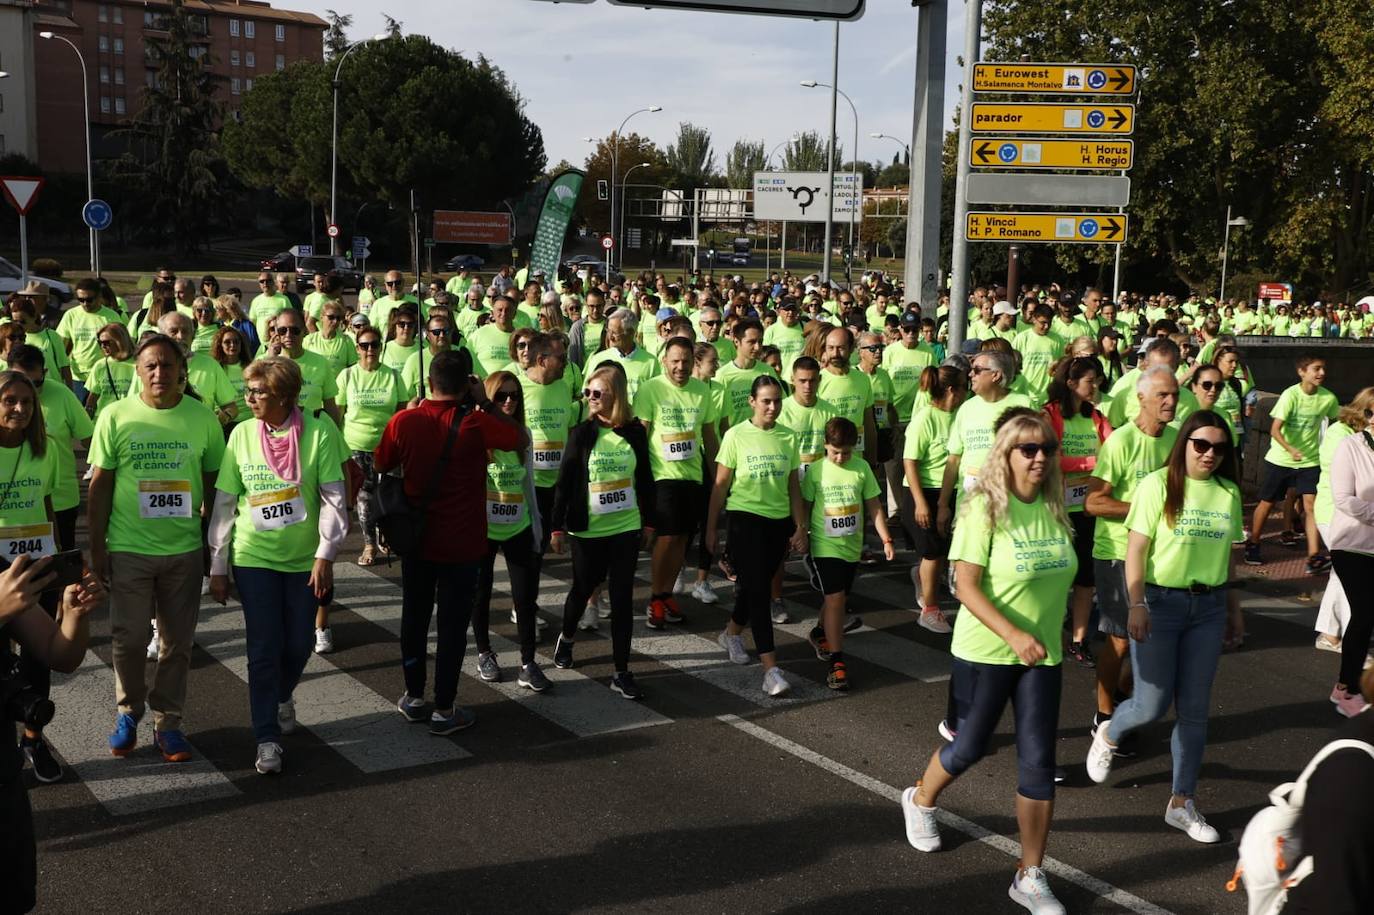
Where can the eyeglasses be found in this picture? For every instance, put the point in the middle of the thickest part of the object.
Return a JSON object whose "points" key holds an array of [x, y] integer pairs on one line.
{"points": [[593, 393], [371, 344], [256, 393], [405, 323], [105, 343], [506, 396], [331, 317], [289, 330], [263, 281], [523, 344], [1030, 449], [1209, 385], [1203, 446], [204, 311], [978, 370]]}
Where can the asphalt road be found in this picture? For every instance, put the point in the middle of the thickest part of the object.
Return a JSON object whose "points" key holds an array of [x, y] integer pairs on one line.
{"points": [[707, 797]]}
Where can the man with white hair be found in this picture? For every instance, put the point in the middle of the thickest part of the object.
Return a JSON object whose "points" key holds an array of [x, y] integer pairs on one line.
{"points": [[622, 347], [1124, 405], [205, 376], [465, 318], [974, 426], [584, 337]]}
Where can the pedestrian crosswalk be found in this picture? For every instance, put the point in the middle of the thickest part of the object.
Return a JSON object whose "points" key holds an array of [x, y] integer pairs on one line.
{"points": [[361, 725]]}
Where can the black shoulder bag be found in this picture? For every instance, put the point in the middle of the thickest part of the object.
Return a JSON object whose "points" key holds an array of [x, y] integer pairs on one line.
{"points": [[400, 522]]}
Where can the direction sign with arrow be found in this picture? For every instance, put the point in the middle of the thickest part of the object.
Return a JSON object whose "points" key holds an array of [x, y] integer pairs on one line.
{"points": [[1056, 228], [1038, 117], [1089, 155], [1068, 79]]}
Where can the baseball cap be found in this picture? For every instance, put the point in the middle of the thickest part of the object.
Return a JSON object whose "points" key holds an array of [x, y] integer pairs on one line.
{"points": [[911, 319], [1003, 308], [664, 314]]}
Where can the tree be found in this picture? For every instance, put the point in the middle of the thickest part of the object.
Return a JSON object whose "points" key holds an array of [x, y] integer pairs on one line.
{"points": [[174, 163], [632, 149], [336, 37], [691, 159], [746, 157], [807, 153], [895, 174], [867, 169], [393, 26]]}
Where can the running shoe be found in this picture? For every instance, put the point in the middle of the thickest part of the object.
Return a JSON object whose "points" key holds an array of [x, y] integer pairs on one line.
{"points": [[946, 731], [1125, 747], [46, 768], [775, 683], [853, 622], [125, 735], [683, 582], [602, 605], [868, 558], [734, 647], [922, 829], [324, 640], [1252, 554], [1318, 564], [488, 668], [286, 716], [838, 679], [540, 624], [1030, 889], [1081, 653], [671, 612], [817, 639], [532, 678], [727, 568], [1326, 642], [153, 644], [173, 744], [624, 683], [413, 710], [657, 617], [1100, 754], [703, 592], [916, 583], [562, 653], [269, 758], [1291, 538], [1190, 821], [460, 719], [588, 623], [1348, 704], [780, 614], [934, 620]]}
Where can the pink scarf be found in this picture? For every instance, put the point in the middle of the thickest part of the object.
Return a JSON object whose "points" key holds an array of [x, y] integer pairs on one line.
{"points": [[283, 453]]}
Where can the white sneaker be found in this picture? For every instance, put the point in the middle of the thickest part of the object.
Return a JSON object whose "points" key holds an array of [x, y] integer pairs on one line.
{"points": [[703, 592], [603, 607], [683, 582], [775, 683], [286, 716], [1190, 821], [540, 624], [734, 647], [153, 643], [922, 829], [204, 585], [269, 758], [1100, 754], [588, 622], [780, 614], [933, 619], [1326, 642], [324, 640], [945, 733], [1032, 890], [916, 582]]}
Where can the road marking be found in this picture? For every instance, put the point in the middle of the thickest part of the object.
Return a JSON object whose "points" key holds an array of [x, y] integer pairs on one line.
{"points": [[139, 782], [906, 657], [358, 723], [969, 828]]}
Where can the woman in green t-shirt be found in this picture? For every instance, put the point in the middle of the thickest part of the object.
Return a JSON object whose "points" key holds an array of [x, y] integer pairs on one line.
{"points": [[369, 395], [1183, 521], [512, 530], [24, 311], [756, 479], [281, 499], [604, 480], [923, 459], [230, 350], [402, 325], [109, 379], [705, 361], [1014, 549]]}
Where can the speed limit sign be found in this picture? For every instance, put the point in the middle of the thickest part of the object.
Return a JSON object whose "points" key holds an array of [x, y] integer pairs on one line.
{"points": [[607, 242], [332, 231]]}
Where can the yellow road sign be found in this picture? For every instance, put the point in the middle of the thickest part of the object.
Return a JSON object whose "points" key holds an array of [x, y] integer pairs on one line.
{"points": [[1036, 117], [1068, 79], [1090, 155], [1055, 228]]}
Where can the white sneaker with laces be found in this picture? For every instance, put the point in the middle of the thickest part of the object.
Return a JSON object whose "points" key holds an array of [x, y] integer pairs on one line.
{"points": [[588, 622], [922, 829], [1032, 890], [703, 592], [775, 682], [153, 643], [286, 716], [324, 640], [945, 733], [780, 614], [1190, 821], [934, 620], [682, 583], [1100, 754], [269, 758], [603, 607], [734, 647]]}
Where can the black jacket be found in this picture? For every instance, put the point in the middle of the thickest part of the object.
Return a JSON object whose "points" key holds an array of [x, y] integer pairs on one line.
{"points": [[570, 510]]}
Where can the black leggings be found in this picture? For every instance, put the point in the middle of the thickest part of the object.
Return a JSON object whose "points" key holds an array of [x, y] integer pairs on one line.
{"points": [[598, 559], [520, 563], [33, 670], [758, 546], [1356, 573]]}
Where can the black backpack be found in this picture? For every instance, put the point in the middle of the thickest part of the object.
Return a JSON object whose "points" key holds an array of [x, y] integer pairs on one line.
{"points": [[400, 522]]}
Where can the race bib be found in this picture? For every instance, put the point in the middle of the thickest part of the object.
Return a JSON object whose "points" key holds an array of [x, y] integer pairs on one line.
{"points": [[272, 511], [504, 507], [608, 498], [969, 480], [679, 446], [33, 540], [546, 455], [880, 412], [1075, 491], [841, 520], [806, 461], [164, 498], [859, 446]]}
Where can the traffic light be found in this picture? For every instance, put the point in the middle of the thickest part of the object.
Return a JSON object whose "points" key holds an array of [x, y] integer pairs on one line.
{"points": [[602, 190]]}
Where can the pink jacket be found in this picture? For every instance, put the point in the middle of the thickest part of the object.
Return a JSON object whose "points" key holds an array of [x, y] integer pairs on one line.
{"points": [[1352, 491]]}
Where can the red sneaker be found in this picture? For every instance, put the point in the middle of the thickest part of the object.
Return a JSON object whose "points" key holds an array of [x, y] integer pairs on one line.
{"points": [[658, 614], [671, 612]]}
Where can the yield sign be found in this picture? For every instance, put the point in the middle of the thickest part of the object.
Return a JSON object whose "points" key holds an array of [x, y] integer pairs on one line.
{"points": [[21, 192]]}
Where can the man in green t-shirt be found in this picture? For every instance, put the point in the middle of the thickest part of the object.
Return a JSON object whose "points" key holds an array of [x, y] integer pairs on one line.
{"points": [[786, 334], [621, 330], [319, 384], [736, 377], [849, 391], [584, 337], [1039, 350], [79, 328], [974, 427], [154, 456], [1292, 461], [395, 297], [267, 304], [709, 322], [439, 338], [490, 343]]}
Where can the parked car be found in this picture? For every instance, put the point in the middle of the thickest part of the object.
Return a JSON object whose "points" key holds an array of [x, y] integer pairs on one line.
{"points": [[307, 267], [470, 261], [739, 259], [278, 263], [10, 282]]}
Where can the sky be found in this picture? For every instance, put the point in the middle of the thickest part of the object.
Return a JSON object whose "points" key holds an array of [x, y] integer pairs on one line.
{"points": [[582, 68]]}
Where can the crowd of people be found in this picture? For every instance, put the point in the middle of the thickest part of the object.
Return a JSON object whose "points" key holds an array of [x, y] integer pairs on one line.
{"points": [[1076, 461]]}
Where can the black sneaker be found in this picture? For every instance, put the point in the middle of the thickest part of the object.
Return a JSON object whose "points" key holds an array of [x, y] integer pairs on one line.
{"points": [[624, 683], [817, 639], [1081, 653], [562, 653], [1318, 564], [46, 768], [838, 679], [852, 622], [1252, 554], [1291, 538]]}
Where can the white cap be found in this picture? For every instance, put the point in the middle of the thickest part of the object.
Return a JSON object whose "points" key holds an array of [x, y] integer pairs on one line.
{"points": [[1003, 308]]}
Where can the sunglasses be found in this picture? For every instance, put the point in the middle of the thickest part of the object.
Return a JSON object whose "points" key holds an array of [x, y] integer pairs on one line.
{"points": [[1030, 449], [506, 396], [263, 282], [289, 331], [393, 282], [1203, 446], [205, 311], [405, 323], [439, 331], [371, 345], [332, 317], [593, 393], [978, 370], [1209, 385], [872, 348], [105, 343], [85, 299], [710, 324]]}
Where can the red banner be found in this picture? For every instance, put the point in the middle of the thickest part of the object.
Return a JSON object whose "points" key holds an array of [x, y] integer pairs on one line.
{"points": [[471, 228]]}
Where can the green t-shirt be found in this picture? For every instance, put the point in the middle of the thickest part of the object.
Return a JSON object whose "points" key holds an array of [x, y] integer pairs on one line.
{"points": [[549, 414], [507, 513], [1231, 407], [465, 318], [1067, 333], [1302, 416], [972, 432], [318, 381], [612, 504], [737, 383], [109, 379], [881, 383], [394, 355], [1125, 458], [1080, 441], [204, 339], [158, 457], [788, 340], [1324, 508], [380, 311], [416, 369], [851, 394], [67, 423], [1038, 353], [808, 425], [725, 349], [1197, 548], [837, 494], [762, 461], [639, 366], [278, 522], [367, 400], [29, 481], [340, 349], [262, 309], [1124, 405], [54, 351], [490, 347], [904, 367], [927, 443], [314, 303], [1028, 567], [675, 416], [80, 328]]}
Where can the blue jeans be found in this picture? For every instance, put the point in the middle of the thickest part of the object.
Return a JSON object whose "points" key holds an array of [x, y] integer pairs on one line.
{"points": [[1176, 665], [279, 623], [81, 392]]}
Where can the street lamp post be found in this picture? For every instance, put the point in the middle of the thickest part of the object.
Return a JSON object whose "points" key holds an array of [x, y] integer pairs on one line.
{"points": [[885, 136], [615, 151], [334, 145], [853, 161], [623, 185], [86, 122], [1238, 222]]}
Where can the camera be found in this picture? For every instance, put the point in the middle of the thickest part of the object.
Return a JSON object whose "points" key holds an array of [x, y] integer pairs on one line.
{"points": [[19, 701]]}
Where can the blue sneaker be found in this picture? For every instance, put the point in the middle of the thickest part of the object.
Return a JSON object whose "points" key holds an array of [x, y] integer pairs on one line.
{"points": [[442, 725], [173, 745], [125, 735]]}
